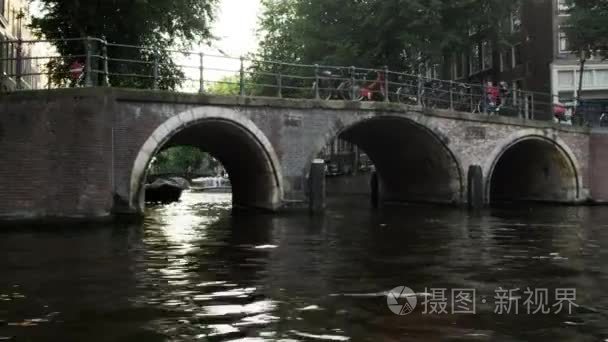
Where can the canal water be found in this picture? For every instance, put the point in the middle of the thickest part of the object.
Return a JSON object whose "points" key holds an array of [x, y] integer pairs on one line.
{"points": [[193, 272]]}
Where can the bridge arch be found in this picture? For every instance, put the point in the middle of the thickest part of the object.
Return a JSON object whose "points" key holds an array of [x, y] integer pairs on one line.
{"points": [[533, 165], [230, 137], [412, 159]]}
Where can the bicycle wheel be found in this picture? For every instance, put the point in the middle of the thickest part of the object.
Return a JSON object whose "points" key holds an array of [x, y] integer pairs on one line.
{"points": [[345, 92], [404, 95], [478, 108], [461, 100], [325, 92], [426, 100]]}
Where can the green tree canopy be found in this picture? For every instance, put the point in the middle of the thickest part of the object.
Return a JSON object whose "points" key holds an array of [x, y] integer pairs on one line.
{"points": [[181, 159], [159, 24], [373, 33], [587, 27]]}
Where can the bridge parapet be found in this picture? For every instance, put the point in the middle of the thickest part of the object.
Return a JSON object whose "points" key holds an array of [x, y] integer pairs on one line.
{"points": [[104, 63]]}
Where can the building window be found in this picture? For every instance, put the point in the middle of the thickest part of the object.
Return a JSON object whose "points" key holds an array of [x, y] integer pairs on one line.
{"points": [[460, 63], [459, 66], [563, 7], [516, 20], [565, 79], [517, 55], [455, 71], [472, 30], [564, 44], [432, 70], [588, 79], [475, 59], [486, 50], [3, 55], [601, 78], [506, 59]]}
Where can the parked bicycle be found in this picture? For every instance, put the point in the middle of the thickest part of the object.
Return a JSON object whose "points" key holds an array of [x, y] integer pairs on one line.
{"points": [[407, 93], [434, 95], [376, 90], [334, 86], [461, 96], [416, 91], [340, 86]]}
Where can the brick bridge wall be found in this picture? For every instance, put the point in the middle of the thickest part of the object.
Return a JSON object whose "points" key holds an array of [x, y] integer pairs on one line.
{"points": [[82, 152]]}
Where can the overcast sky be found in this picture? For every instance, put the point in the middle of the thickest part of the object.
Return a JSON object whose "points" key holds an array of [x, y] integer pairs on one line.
{"points": [[236, 25]]}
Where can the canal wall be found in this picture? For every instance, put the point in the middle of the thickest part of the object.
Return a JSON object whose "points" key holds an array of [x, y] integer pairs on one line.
{"points": [[599, 166], [56, 155]]}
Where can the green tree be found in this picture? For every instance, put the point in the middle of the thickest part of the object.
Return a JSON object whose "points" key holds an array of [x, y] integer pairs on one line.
{"points": [[587, 27], [180, 159], [373, 33], [158, 24], [229, 85]]}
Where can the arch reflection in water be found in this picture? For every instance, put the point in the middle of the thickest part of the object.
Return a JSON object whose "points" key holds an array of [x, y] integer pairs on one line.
{"points": [[201, 269]]}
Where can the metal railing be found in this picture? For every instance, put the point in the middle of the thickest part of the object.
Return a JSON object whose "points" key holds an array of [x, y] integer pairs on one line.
{"points": [[35, 64]]}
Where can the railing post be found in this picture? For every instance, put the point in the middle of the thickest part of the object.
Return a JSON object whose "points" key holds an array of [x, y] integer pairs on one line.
{"points": [[517, 102], [106, 70], [317, 82], [451, 85], [420, 90], [526, 107], [531, 106], [242, 77], [19, 65], [279, 85], [472, 91], [352, 83], [201, 86], [156, 72], [386, 84], [88, 81]]}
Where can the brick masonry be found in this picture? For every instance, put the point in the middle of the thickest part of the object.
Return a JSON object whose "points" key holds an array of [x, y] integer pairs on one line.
{"points": [[599, 160], [71, 153]]}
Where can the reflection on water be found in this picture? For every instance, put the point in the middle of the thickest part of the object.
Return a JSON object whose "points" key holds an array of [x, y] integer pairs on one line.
{"points": [[191, 271]]}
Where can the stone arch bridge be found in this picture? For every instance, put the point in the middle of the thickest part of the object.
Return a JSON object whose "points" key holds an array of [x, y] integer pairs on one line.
{"points": [[83, 153]]}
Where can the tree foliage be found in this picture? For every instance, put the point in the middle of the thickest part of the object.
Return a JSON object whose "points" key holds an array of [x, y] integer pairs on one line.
{"points": [[227, 86], [183, 159], [231, 86], [158, 24], [399, 33], [587, 27]]}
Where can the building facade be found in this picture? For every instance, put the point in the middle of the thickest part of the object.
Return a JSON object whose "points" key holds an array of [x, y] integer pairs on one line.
{"points": [[536, 58], [566, 70], [14, 20]]}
